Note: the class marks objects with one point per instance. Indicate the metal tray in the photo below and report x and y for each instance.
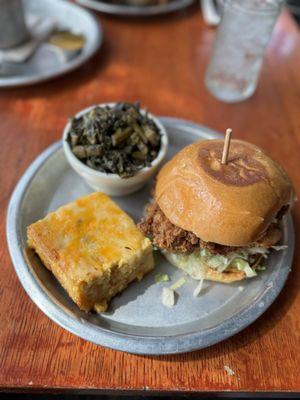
(136, 322)
(131, 10)
(48, 61)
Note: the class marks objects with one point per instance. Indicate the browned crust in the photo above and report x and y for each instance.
(224, 277)
(47, 254)
(217, 210)
(167, 236)
(164, 234)
(50, 258)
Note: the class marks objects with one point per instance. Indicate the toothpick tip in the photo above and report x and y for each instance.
(226, 146)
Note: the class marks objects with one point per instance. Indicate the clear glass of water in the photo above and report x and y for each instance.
(244, 32)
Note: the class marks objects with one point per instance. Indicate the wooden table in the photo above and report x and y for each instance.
(160, 62)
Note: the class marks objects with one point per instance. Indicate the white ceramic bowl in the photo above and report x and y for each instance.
(112, 184)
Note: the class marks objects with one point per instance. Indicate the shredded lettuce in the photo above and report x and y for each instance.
(243, 265)
(278, 248)
(168, 297)
(257, 250)
(181, 281)
(204, 252)
(250, 272)
(218, 262)
(260, 268)
(198, 288)
(239, 264)
(161, 278)
(233, 261)
(193, 264)
(196, 263)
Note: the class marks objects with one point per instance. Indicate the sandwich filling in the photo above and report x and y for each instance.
(193, 254)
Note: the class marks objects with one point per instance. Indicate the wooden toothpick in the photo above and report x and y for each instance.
(226, 146)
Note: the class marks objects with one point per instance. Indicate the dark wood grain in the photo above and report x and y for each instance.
(161, 62)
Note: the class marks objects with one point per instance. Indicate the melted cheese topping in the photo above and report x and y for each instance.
(91, 233)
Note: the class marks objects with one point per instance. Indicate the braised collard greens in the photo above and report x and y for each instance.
(118, 139)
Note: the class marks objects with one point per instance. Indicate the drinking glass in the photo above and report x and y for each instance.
(13, 30)
(244, 32)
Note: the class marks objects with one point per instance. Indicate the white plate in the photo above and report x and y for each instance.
(48, 61)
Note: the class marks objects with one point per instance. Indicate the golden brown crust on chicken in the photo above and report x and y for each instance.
(167, 236)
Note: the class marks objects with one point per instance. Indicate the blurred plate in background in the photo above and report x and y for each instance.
(135, 10)
(49, 61)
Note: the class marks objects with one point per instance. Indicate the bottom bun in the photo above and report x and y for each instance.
(204, 271)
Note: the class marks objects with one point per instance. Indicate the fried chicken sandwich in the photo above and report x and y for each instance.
(218, 221)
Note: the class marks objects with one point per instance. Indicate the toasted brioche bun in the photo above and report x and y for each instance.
(230, 204)
(209, 273)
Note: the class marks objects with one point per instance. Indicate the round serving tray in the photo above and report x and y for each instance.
(131, 10)
(137, 321)
(48, 61)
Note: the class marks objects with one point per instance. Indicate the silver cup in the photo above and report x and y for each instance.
(13, 29)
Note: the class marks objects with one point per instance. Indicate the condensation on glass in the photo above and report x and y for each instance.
(245, 30)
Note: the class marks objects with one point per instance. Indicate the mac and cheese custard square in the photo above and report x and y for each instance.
(93, 248)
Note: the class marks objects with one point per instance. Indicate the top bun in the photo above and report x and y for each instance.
(230, 204)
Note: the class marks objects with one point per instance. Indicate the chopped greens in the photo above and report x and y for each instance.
(115, 139)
